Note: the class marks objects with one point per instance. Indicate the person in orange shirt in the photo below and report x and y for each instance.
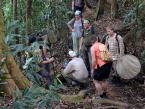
(100, 70)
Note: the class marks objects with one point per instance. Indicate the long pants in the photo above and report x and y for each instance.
(87, 58)
(46, 76)
(76, 44)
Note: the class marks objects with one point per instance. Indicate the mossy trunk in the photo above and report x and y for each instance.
(10, 88)
(16, 74)
(16, 79)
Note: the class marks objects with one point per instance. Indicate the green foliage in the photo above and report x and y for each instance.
(143, 55)
(130, 16)
(38, 97)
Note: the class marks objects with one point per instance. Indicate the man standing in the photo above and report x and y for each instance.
(116, 49)
(76, 70)
(85, 43)
(78, 5)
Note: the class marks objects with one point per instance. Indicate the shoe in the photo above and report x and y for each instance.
(104, 94)
(74, 84)
(98, 97)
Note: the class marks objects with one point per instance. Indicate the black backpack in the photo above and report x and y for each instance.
(81, 4)
(105, 38)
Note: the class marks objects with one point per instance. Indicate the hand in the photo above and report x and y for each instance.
(73, 30)
(50, 59)
(81, 30)
(72, 8)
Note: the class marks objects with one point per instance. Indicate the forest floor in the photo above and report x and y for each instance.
(130, 92)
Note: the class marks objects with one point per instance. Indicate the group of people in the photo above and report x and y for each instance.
(86, 62)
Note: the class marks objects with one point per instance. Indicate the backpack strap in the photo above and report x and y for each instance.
(117, 42)
(106, 40)
(92, 30)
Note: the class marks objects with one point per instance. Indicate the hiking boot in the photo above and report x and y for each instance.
(74, 84)
(104, 94)
(97, 97)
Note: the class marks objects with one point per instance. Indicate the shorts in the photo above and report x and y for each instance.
(102, 72)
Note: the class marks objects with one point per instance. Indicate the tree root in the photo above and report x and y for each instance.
(81, 95)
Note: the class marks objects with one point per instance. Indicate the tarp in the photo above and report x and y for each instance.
(128, 67)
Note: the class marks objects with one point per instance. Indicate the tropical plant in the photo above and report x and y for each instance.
(38, 97)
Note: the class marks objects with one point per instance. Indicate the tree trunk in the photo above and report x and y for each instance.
(114, 8)
(15, 78)
(16, 30)
(11, 87)
(103, 6)
(16, 74)
(28, 17)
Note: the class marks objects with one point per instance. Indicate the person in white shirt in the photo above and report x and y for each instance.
(76, 70)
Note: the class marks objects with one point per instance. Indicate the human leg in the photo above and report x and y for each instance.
(86, 58)
(98, 87)
(75, 45)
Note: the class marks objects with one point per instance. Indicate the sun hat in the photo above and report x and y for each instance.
(72, 53)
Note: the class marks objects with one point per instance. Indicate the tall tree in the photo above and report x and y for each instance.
(16, 80)
(114, 8)
(28, 17)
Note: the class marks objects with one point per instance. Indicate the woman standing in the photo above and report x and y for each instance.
(76, 30)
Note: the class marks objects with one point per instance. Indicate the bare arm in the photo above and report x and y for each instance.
(93, 59)
(48, 60)
(73, 5)
(81, 43)
(69, 24)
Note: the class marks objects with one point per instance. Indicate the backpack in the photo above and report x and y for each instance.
(105, 38)
(80, 3)
(104, 53)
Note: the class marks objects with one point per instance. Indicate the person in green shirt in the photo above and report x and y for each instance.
(85, 43)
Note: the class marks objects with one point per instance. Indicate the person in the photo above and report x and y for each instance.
(76, 70)
(116, 49)
(43, 63)
(76, 30)
(78, 5)
(85, 43)
(100, 69)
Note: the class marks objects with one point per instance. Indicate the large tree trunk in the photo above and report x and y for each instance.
(114, 8)
(28, 17)
(11, 87)
(14, 76)
(103, 6)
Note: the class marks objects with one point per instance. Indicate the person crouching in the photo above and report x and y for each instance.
(76, 71)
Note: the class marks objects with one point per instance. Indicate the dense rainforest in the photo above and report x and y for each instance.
(24, 88)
